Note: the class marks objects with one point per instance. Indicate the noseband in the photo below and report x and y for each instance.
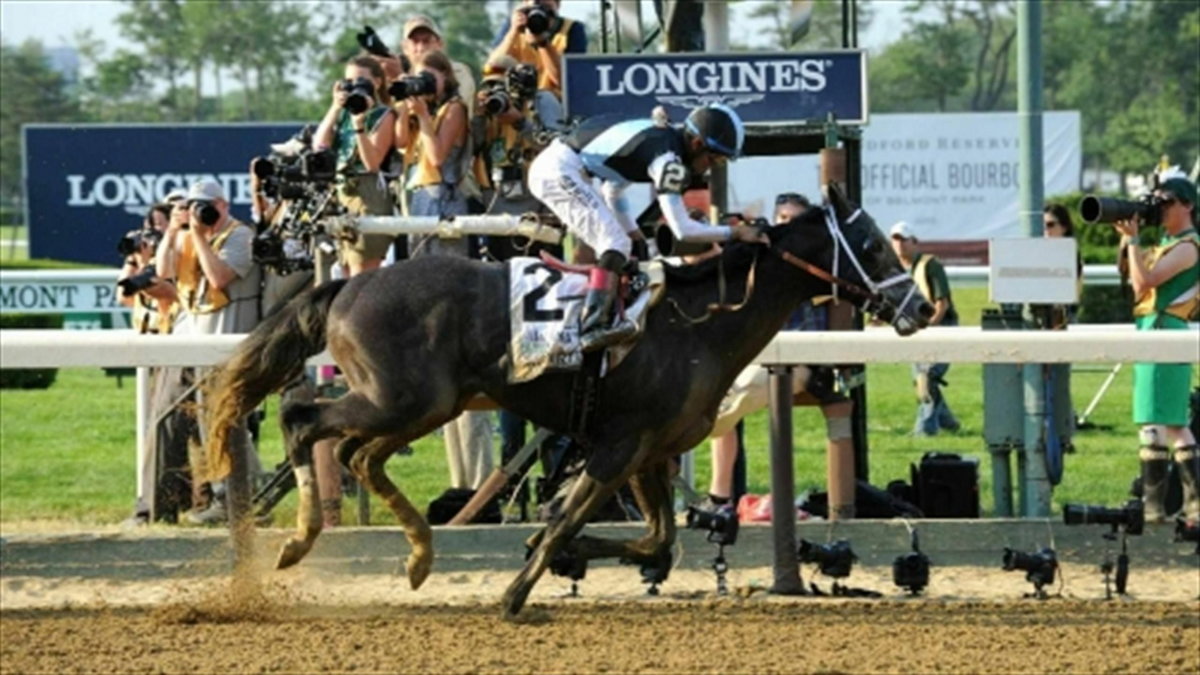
(873, 291)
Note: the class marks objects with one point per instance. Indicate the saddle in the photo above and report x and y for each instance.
(546, 299)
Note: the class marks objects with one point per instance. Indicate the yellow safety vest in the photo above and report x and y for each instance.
(425, 172)
(525, 53)
(920, 276)
(195, 293)
(1186, 303)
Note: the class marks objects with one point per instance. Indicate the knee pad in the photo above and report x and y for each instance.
(1186, 453)
(1148, 437)
(837, 428)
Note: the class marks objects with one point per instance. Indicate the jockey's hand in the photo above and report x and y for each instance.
(750, 235)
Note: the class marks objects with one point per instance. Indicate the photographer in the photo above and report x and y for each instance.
(536, 35)
(421, 36)
(432, 134)
(140, 288)
(359, 127)
(504, 131)
(506, 143)
(933, 412)
(145, 293)
(210, 257)
(1166, 283)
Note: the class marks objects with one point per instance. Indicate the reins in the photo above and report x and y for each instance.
(720, 305)
(870, 293)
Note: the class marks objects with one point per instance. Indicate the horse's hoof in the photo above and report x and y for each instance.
(290, 553)
(418, 568)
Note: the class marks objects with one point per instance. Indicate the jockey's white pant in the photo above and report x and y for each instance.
(557, 178)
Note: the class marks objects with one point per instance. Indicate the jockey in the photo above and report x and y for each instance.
(634, 151)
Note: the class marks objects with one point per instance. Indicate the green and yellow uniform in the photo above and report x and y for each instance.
(1161, 390)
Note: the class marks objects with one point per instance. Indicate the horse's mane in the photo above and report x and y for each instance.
(736, 257)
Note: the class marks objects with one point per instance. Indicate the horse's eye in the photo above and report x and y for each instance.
(871, 246)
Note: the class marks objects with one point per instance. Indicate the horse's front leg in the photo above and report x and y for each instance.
(652, 488)
(368, 466)
(585, 498)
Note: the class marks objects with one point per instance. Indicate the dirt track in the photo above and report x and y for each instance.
(732, 636)
(973, 622)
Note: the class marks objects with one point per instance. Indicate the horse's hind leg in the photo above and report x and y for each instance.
(302, 427)
(367, 466)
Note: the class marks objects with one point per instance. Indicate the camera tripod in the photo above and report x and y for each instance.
(1121, 568)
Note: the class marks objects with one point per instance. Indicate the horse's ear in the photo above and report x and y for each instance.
(836, 197)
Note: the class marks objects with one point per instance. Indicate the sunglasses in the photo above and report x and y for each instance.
(1052, 223)
(791, 198)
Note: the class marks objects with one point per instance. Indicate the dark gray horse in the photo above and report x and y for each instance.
(417, 341)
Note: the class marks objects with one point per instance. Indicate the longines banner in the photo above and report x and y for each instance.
(765, 88)
(952, 176)
(86, 185)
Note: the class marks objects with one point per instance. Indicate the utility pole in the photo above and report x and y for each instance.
(1029, 115)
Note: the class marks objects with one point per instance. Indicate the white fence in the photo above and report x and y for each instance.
(94, 290)
(1079, 344)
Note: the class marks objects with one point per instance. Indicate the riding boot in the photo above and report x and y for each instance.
(1187, 458)
(595, 326)
(1155, 461)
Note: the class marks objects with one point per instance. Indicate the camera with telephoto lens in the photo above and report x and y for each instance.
(205, 212)
(287, 176)
(1040, 567)
(413, 85)
(537, 18)
(495, 98)
(359, 93)
(1109, 209)
(138, 282)
(721, 524)
(133, 240)
(1131, 516)
(834, 560)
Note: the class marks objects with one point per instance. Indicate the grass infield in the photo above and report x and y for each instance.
(67, 453)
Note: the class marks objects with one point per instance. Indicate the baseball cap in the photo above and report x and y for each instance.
(421, 21)
(1182, 188)
(205, 191)
(903, 230)
(498, 65)
(175, 195)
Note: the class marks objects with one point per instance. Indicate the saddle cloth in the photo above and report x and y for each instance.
(545, 305)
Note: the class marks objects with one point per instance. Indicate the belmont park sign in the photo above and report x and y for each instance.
(764, 88)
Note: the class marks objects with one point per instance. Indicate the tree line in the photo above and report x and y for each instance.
(1131, 67)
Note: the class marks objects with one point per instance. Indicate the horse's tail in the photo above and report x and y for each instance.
(272, 355)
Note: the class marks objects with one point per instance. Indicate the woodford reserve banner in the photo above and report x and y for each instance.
(952, 176)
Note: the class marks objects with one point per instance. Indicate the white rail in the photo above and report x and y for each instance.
(1096, 344)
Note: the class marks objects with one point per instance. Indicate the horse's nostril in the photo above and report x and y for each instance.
(925, 310)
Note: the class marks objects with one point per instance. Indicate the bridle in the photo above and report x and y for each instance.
(873, 293)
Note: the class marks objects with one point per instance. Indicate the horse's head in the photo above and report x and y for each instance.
(841, 244)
